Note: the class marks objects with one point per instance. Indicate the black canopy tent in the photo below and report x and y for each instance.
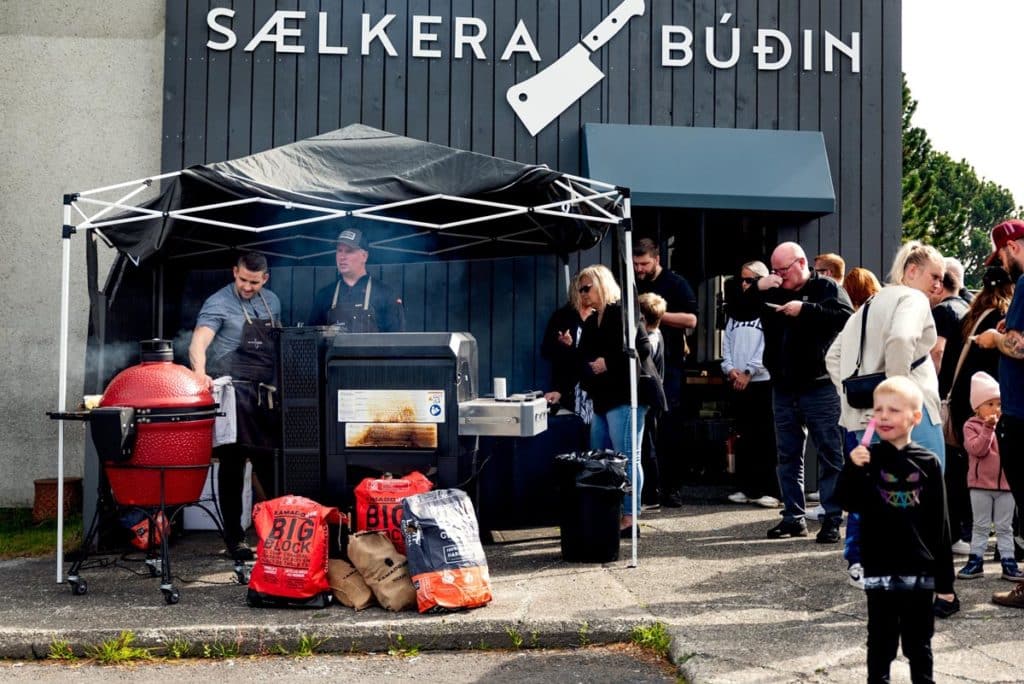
(415, 200)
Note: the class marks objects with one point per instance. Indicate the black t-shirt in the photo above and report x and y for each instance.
(949, 316)
(679, 298)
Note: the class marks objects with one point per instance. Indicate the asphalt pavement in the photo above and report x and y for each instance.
(739, 607)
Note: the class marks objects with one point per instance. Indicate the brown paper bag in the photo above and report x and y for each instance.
(385, 570)
(348, 585)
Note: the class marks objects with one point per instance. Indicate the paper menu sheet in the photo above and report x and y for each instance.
(391, 406)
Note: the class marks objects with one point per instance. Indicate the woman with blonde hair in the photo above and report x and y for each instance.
(605, 375)
(899, 333)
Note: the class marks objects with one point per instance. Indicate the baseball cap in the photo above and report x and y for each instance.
(1002, 234)
(353, 237)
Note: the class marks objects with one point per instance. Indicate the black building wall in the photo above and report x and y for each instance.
(226, 104)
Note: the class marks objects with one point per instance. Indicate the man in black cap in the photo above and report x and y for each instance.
(356, 302)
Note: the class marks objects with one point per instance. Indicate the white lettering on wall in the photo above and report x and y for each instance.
(230, 38)
(462, 38)
(322, 47)
(852, 51)
(773, 48)
(420, 37)
(378, 32)
(521, 41)
(763, 50)
(277, 32)
(669, 46)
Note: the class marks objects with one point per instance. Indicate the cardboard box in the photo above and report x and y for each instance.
(195, 518)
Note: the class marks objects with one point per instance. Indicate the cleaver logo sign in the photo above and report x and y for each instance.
(539, 100)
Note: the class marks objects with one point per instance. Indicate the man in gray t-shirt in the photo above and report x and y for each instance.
(223, 344)
(218, 329)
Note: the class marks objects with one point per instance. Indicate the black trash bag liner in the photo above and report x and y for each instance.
(598, 469)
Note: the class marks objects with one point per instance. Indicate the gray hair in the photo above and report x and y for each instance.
(757, 267)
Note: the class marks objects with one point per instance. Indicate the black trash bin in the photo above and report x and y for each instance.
(592, 485)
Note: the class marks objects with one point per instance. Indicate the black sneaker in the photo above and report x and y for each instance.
(828, 534)
(944, 609)
(240, 551)
(788, 528)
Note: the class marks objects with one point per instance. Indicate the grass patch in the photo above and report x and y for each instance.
(61, 650)
(400, 649)
(654, 638)
(178, 648)
(515, 637)
(222, 650)
(20, 537)
(308, 644)
(118, 650)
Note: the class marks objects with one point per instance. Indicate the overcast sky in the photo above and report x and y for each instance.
(964, 62)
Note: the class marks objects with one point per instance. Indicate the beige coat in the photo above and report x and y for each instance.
(900, 331)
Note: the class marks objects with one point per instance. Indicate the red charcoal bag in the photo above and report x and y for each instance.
(291, 556)
(379, 504)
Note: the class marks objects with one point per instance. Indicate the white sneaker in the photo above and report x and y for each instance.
(767, 501)
(817, 513)
(738, 497)
(855, 576)
(961, 548)
(813, 497)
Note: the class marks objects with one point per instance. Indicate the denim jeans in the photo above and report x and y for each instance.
(612, 430)
(813, 411)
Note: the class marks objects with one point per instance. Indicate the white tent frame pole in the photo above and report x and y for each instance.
(96, 191)
(631, 345)
(62, 387)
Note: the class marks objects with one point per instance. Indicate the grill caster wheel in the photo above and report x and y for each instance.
(79, 587)
(241, 573)
(171, 596)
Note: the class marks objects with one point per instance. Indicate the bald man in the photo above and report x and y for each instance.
(801, 313)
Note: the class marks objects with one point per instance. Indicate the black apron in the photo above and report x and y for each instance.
(252, 367)
(353, 318)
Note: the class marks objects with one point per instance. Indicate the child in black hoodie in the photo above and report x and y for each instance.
(898, 489)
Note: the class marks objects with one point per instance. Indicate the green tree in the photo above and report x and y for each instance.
(945, 203)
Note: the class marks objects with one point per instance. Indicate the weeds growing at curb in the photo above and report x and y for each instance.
(61, 650)
(654, 638)
(399, 648)
(515, 637)
(222, 649)
(118, 650)
(308, 644)
(584, 633)
(177, 649)
(534, 639)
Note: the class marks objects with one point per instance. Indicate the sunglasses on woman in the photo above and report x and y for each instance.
(584, 289)
(749, 281)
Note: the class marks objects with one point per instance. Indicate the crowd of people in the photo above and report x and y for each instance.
(912, 393)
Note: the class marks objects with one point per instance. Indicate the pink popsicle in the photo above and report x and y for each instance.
(869, 432)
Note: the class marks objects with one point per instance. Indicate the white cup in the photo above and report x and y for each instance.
(500, 391)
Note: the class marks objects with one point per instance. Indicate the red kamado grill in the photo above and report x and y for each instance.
(155, 424)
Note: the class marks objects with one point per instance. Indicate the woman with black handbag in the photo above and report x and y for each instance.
(893, 334)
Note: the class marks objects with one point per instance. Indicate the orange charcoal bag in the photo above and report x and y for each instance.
(446, 559)
(291, 554)
(379, 504)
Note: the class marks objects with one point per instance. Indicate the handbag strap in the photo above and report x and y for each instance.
(965, 349)
(863, 332)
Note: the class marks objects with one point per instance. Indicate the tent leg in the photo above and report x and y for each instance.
(65, 292)
(627, 228)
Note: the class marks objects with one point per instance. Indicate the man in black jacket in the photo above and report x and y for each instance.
(801, 313)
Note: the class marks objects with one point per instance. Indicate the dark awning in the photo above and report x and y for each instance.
(713, 168)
